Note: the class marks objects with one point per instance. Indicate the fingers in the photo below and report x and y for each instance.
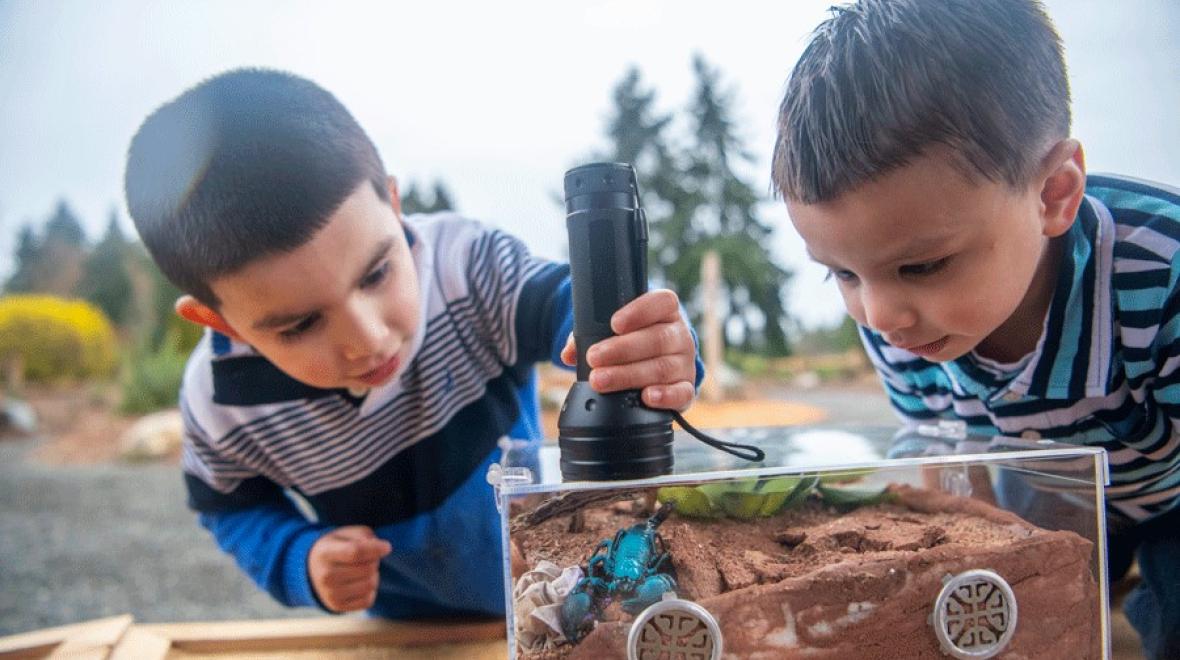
(344, 568)
(657, 306)
(356, 595)
(660, 370)
(678, 396)
(569, 353)
(349, 546)
(652, 351)
(671, 338)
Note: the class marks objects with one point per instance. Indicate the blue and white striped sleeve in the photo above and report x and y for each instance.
(523, 302)
(251, 519)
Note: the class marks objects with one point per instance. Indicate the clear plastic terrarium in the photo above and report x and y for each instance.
(842, 543)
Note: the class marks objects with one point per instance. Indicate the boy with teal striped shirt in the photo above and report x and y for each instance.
(925, 158)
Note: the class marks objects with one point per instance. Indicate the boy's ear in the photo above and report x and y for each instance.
(1063, 186)
(395, 199)
(191, 309)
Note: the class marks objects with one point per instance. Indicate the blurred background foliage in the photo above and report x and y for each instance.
(50, 338)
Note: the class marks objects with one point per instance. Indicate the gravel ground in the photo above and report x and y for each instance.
(79, 542)
(82, 542)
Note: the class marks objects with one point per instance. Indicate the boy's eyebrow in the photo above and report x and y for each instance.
(814, 258)
(919, 246)
(280, 319)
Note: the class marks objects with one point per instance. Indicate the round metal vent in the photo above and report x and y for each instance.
(674, 628)
(974, 615)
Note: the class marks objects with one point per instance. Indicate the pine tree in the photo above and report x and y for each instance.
(51, 263)
(28, 248)
(753, 280)
(696, 201)
(638, 135)
(105, 278)
(414, 200)
(442, 197)
(63, 227)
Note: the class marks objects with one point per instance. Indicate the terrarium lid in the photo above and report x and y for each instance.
(817, 448)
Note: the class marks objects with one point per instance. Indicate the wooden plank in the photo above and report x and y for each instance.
(470, 651)
(75, 638)
(92, 653)
(319, 632)
(140, 644)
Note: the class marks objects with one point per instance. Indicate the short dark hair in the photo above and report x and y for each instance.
(249, 163)
(884, 80)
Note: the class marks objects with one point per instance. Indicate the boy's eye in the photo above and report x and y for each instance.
(841, 275)
(926, 268)
(376, 277)
(301, 327)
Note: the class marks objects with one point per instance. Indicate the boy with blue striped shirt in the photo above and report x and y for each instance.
(361, 366)
(925, 158)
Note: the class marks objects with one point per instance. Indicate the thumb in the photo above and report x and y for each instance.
(354, 532)
(569, 354)
(364, 535)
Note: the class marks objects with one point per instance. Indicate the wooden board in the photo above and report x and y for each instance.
(117, 638)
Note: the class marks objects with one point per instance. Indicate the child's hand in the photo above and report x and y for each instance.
(342, 566)
(653, 352)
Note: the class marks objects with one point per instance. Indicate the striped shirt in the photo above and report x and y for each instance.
(409, 458)
(1106, 371)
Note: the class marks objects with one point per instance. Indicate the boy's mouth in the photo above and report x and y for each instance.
(929, 349)
(380, 374)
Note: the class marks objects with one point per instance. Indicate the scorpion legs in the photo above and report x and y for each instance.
(648, 592)
(583, 606)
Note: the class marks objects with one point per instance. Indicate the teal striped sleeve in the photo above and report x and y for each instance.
(1166, 349)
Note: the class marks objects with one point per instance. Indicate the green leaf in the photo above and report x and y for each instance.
(763, 497)
(847, 499)
(688, 501)
(847, 477)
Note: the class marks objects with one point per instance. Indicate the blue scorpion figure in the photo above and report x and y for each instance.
(634, 567)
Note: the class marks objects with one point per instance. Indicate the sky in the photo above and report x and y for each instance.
(496, 99)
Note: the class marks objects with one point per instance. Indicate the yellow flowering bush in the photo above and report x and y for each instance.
(56, 338)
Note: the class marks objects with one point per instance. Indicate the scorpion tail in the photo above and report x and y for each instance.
(660, 515)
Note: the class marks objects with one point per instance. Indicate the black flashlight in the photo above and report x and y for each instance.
(612, 436)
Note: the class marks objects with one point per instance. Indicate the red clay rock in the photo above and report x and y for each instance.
(812, 583)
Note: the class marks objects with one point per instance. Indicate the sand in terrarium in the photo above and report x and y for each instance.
(819, 578)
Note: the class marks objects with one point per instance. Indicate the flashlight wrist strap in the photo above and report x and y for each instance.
(747, 452)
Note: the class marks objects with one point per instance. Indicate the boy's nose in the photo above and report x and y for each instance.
(367, 335)
(885, 311)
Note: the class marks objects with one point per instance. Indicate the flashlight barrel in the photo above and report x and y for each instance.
(608, 249)
(607, 436)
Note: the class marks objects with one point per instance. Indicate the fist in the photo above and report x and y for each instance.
(652, 351)
(342, 566)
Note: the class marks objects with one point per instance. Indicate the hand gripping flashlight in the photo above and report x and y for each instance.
(610, 436)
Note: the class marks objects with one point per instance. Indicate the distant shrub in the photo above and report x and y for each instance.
(153, 378)
(56, 338)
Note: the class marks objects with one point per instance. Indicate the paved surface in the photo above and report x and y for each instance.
(79, 543)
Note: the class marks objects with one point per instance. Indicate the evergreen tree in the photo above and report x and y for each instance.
(638, 135)
(105, 278)
(442, 197)
(415, 201)
(696, 202)
(728, 220)
(53, 262)
(63, 227)
(28, 248)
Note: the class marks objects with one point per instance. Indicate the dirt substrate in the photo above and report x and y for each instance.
(814, 583)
